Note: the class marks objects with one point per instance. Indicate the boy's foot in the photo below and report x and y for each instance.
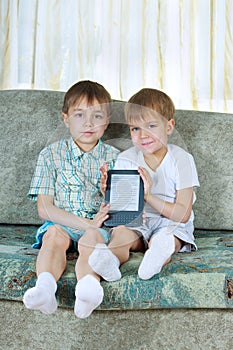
(42, 296)
(162, 247)
(105, 263)
(89, 295)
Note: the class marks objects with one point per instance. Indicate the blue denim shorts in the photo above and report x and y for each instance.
(74, 234)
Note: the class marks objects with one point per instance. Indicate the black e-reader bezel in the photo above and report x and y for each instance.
(135, 217)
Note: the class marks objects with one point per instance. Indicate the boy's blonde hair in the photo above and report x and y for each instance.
(89, 89)
(149, 99)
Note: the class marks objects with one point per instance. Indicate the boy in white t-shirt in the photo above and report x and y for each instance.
(169, 175)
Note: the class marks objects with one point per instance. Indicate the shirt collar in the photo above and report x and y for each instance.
(78, 153)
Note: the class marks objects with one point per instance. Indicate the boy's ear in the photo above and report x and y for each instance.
(170, 126)
(66, 119)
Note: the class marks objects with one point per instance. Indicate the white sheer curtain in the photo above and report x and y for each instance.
(184, 47)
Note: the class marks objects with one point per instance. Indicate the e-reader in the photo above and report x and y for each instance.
(125, 193)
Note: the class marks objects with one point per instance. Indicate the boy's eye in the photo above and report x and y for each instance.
(78, 115)
(98, 116)
(134, 129)
(151, 126)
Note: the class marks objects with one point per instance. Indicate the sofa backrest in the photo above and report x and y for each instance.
(30, 119)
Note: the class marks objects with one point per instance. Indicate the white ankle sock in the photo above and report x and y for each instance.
(105, 263)
(89, 295)
(42, 296)
(162, 247)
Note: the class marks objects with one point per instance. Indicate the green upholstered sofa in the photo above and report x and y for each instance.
(197, 284)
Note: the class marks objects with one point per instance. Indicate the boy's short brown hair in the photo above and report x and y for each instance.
(89, 89)
(151, 99)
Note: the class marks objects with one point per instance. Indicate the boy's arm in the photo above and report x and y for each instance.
(179, 211)
(48, 211)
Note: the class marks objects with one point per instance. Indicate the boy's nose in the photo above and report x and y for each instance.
(144, 133)
(88, 120)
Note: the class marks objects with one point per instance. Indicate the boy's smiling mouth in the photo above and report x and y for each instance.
(147, 143)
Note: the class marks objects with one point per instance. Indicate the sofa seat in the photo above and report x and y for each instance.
(200, 279)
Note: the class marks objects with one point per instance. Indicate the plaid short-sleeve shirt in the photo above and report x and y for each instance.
(72, 176)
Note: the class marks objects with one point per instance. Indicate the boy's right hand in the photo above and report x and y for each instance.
(104, 177)
(102, 215)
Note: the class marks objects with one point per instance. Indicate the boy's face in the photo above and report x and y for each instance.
(86, 122)
(149, 134)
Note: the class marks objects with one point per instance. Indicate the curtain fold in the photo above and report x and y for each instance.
(184, 47)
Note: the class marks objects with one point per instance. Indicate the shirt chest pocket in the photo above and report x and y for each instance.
(78, 192)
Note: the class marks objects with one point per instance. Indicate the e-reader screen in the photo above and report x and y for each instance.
(125, 193)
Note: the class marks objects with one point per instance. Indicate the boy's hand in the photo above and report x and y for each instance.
(104, 177)
(102, 215)
(147, 180)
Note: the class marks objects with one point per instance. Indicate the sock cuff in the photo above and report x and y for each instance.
(48, 279)
(101, 246)
(104, 246)
(89, 280)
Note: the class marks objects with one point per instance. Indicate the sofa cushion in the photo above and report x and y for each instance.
(201, 279)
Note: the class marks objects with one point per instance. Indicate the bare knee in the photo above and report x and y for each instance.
(121, 236)
(56, 238)
(89, 240)
(121, 233)
(124, 240)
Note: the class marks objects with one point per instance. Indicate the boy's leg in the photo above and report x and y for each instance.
(89, 293)
(161, 248)
(51, 262)
(106, 260)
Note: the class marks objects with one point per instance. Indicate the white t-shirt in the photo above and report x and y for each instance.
(177, 171)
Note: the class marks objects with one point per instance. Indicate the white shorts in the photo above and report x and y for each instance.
(154, 225)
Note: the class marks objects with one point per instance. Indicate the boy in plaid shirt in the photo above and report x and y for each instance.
(66, 185)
